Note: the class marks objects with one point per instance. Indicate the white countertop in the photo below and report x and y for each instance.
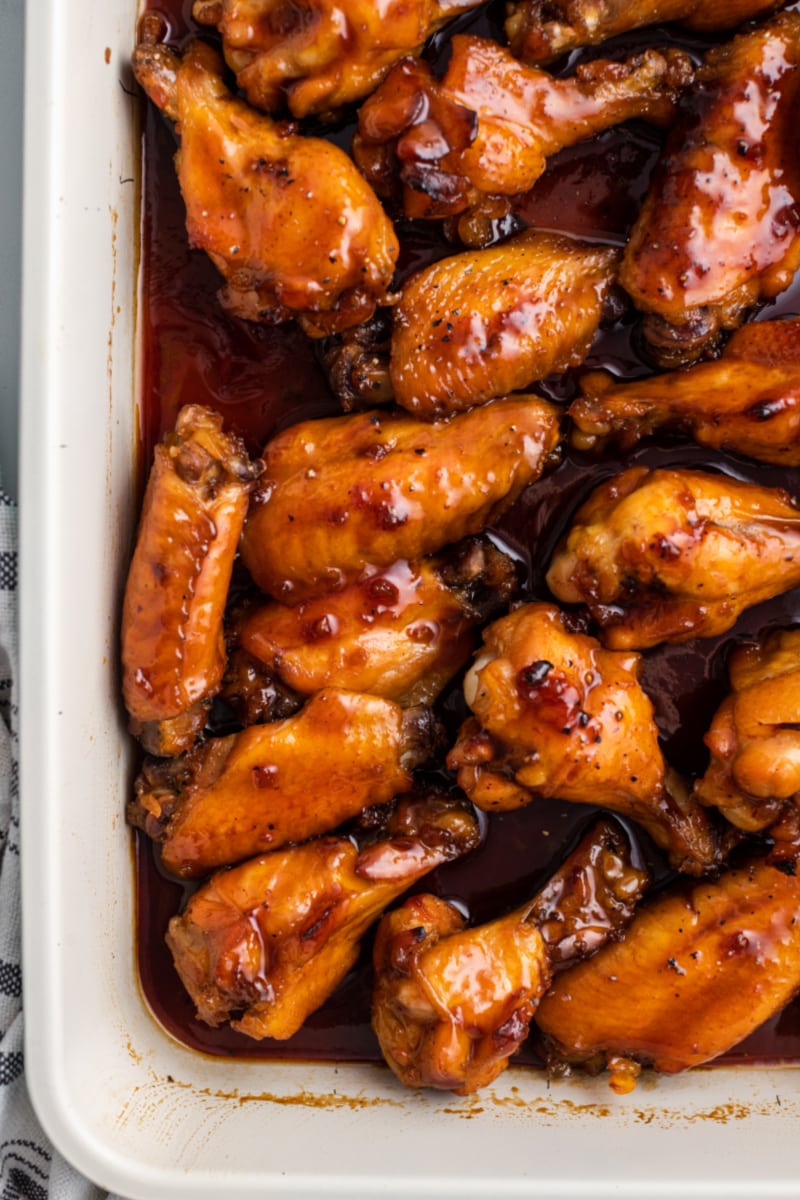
(11, 81)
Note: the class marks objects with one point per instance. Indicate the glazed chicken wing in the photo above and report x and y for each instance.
(288, 220)
(253, 791)
(487, 322)
(719, 228)
(316, 55)
(348, 493)
(754, 739)
(697, 970)
(748, 400)
(173, 651)
(452, 1004)
(540, 30)
(262, 945)
(402, 633)
(670, 555)
(487, 129)
(557, 715)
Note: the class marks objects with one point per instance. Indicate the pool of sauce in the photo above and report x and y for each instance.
(263, 379)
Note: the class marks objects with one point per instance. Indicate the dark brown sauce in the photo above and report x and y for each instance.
(263, 379)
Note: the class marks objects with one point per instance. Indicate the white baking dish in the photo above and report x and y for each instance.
(130, 1107)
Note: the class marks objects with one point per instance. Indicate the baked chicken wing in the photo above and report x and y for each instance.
(173, 650)
(262, 945)
(237, 796)
(540, 30)
(696, 971)
(484, 323)
(317, 55)
(488, 127)
(288, 221)
(366, 490)
(402, 633)
(670, 555)
(452, 1004)
(557, 715)
(718, 230)
(748, 400)
(754, 739)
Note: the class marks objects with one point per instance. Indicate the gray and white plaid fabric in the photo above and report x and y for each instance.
(30, 1169)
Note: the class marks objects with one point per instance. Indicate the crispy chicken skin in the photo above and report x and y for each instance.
(367, 490)
(402, 633)
(696, 971)
(452, 1004)
(670, 555)
(288, 220)
(748, 400)
(317, 55)
(541, 30)
(718, 230)
(557, 715)
(754, 739)
(173, 650)
(484, 323)
(488, 127)
(253, 791)
(272, 938)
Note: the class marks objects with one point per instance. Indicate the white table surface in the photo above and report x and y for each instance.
(11, 78)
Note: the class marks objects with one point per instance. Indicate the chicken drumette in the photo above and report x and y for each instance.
(346, 494)
(540, 30)
(316, 55)
(487, 322)
(719, 228)
(253, 791)
(754, 774)
(289, 222)
(670, 555)
(452, 1004)
(557, 715)
(402, 633)
(262, 945)
(173, 651)
(748, 400)
(486, 130)
(697, 970)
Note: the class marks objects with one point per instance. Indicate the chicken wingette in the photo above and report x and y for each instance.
(236, 796)
(347, 494)
(262, 945)
(173, 649)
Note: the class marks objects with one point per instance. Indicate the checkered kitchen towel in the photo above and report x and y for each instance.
(30, 1169)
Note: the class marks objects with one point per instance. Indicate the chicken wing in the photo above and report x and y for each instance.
(253, 791)
(557, 715)
(748, 400)
(754, 739)
(287, 220)
(317, 55)
(488, 128)
(541, 30)
(452, 1004)
(487, 322)
(718, 230)
(695, 972)
(173, 651)
(271, 939)
(348, 493)
(670, 555)
(402, 633)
